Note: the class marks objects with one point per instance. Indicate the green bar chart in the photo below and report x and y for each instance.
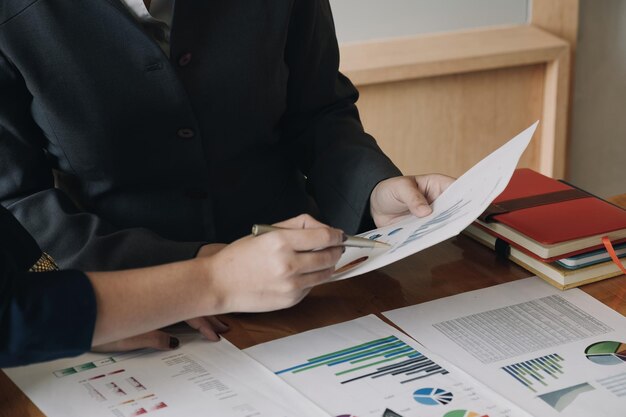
(388, 356)
(538, 371)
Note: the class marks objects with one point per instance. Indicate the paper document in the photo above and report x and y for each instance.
(198, 379)
(453, 211)
(365, 368)
(554, 353)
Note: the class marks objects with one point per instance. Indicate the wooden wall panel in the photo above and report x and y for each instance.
(439, 103)
(559, 17)
(447, 124)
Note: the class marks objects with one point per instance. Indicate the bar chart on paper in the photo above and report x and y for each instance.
(384, 357)
(552, 353)
(534, 372)
(111, 360)
(366, 368)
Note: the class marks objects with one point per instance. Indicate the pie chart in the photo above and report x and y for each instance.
(432, 396)
(607, 353)
(464, 413)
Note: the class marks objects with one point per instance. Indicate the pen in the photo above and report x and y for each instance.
(352, 241)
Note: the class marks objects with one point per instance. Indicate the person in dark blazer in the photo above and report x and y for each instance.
(47, 314)
(134, 133)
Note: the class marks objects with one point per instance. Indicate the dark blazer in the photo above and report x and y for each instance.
(248, 122)
(43, 315)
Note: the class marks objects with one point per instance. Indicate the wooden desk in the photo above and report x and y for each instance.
(452, 267)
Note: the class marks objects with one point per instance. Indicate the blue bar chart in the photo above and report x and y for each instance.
(536, 371)
(378, 358)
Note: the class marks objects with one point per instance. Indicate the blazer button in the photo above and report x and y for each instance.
(186, 133)
(185, 59)
(196, 193)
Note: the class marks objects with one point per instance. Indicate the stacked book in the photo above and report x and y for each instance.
(554, 230)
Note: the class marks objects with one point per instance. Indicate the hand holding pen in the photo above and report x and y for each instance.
(277, 269)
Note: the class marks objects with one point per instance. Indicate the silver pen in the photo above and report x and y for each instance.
(352, 241)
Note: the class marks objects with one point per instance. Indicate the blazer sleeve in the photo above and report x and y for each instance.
(75, 238)
(43, 316)
(323, 131)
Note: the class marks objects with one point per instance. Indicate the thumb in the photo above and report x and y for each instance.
(155, 339)
(409, 194)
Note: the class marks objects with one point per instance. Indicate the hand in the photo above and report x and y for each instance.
(156, 339)
(275, 270)
(209, 326)
(396, 197)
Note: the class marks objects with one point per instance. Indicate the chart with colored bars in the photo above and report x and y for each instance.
(607, 353)
(117, 358)
(387, 356)
(463, 413)
(536, 371)
(615, 383)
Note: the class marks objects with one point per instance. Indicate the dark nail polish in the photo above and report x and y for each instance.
(174, 342)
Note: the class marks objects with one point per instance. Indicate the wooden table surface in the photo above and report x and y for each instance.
(454, 266)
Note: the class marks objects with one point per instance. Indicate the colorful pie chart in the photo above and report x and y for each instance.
(607, 353)
(432, 396)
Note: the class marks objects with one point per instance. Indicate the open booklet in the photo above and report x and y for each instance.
(453, 211)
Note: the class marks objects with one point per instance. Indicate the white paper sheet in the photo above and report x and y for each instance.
(554, 353)
(453, 211)
(198, 379)
(365, 368)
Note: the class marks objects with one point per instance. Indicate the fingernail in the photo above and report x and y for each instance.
(424, 209)
(174, 342)
(344, 237)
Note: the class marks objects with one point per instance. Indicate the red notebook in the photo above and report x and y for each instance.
(555, 230)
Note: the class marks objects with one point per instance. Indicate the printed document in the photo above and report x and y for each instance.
(553, 353)
(367, 368)
(456, 208)
(198, 379)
